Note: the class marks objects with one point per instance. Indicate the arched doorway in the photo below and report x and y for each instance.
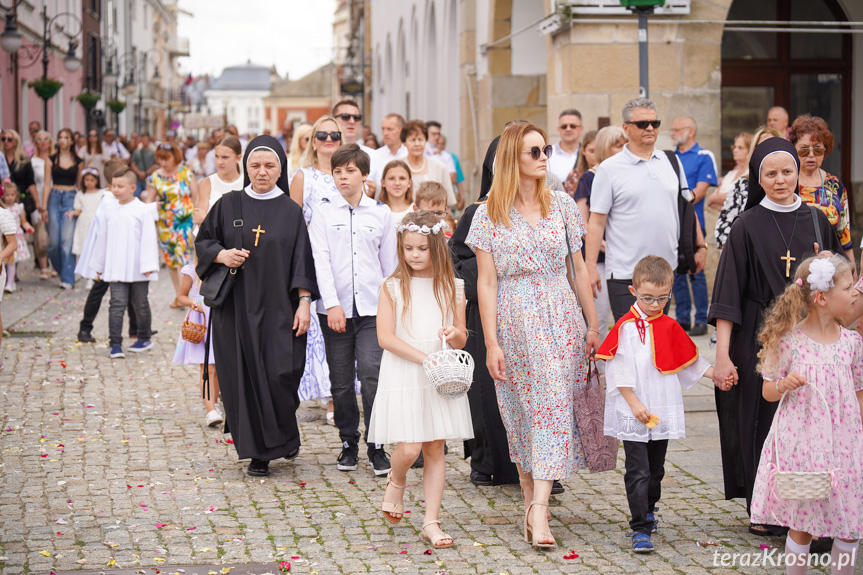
(803, 72)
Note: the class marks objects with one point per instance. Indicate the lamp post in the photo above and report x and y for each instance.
(11, 42)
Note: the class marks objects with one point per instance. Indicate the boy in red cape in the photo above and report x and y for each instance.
(649, 358)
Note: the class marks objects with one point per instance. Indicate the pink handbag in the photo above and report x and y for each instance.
(589, 406)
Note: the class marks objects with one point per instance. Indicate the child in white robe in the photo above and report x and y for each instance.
(125, 254)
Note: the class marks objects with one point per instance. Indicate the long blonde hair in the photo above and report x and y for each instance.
(791, 307)
(504, 186)
(444, 276)
(301, 132)
(19, 155)
(309, 159)
(51, 148)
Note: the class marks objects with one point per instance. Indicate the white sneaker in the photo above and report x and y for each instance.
(65, 286)
(10, 288)
(89, 285)
(214, 418)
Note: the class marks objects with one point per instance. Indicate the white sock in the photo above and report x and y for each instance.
(843, 557)
(801, 564)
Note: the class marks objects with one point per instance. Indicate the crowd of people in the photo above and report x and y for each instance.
(345, 268)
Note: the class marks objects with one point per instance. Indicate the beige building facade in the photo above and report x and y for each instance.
(703, 63)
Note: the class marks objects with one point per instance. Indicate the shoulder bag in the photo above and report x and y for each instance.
(217, 286)
(686, 247)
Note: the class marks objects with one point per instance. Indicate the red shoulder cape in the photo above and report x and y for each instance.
(675, 352)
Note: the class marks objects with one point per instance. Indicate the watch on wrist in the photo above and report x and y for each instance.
(306, 298)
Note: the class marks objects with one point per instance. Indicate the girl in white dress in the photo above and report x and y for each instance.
(87, 201)
(397, 190)
(407, 409)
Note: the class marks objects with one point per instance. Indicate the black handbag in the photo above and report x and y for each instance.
(217, 286)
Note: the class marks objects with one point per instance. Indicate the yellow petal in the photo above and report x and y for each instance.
(45, 553)
(159, 559)
(111, 562)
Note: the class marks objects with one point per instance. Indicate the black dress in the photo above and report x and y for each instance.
(750, 276)
(259, 359)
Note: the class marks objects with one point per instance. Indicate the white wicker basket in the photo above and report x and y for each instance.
(802, 485)
(450, 371)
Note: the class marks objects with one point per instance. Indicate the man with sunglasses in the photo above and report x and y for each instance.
(700, 167)
(347, 114)
(562, 160)
(634, 204)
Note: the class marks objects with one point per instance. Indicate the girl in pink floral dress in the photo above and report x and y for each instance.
(815, 367)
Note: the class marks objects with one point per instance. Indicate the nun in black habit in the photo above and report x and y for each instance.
(488, 451)
(259, 335)
(775, 231)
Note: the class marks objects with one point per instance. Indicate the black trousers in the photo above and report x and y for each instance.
(350, 355)
(620, 298)
(124, 294)
(645, 468)
(94, 302)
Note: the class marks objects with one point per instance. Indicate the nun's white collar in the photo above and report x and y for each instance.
(274, 193)
(774, 207)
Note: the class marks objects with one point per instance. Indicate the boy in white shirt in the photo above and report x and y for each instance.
(126, 255)
(354, 246)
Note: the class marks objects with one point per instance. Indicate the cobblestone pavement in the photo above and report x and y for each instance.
(106, 465)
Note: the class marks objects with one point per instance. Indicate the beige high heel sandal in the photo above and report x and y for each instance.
(435, 542)
(389, 508)
(522, 483)
(528, 531)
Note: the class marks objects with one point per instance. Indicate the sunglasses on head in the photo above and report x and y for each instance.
(536, 151)
(642, 124)
(334, 136)
(817, 150)
(166, 147)
(347, 117)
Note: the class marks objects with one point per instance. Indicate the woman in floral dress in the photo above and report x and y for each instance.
(535, 335)
(175, 190)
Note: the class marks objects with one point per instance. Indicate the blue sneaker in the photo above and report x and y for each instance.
(650, 517)
(641, 543)
(117, 352)
(140, 346)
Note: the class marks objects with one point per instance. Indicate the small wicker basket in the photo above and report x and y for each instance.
(801, 485)
(450, 371)
(191, 331)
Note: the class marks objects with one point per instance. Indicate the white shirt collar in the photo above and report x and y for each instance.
(274, 193)
(340, 201)
(774, 207)
(635, 159)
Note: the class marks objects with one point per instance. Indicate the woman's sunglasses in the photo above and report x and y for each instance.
(817, 150)
(642, 124)
(7, 139)
(536, 151)
(334, 136)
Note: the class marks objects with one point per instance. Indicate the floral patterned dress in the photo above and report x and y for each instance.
(174, 199)
(832, 199)
(541, 333)
(808, 435)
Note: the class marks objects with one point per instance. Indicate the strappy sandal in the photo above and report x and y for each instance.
(436, 541)
(293, 454)
(258, 468)
(537, 541)
(388, 507)
(522, 483)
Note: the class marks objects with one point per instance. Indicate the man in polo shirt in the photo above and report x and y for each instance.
(562, 160)
(634, 203)
(700, 167)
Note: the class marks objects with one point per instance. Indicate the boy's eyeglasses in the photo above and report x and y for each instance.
(536, 151)
(348, 117)
(642, 124)
(649, 300)
(334, 136)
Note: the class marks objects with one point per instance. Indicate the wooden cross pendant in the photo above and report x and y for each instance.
(258, 231)
(786, 258)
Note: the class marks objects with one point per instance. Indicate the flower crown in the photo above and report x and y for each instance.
(423, 230)
(820, 278)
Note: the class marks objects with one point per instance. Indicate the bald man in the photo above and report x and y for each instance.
(699, 166)
(777, 117)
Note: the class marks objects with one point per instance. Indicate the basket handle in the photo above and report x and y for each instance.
(443, 342)
(776, 418)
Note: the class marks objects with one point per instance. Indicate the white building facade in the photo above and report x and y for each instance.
(238, 95)
(415, 68)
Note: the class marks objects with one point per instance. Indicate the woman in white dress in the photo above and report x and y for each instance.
(312, 184)
(41, 161)
(228, 176)
(424, 169)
